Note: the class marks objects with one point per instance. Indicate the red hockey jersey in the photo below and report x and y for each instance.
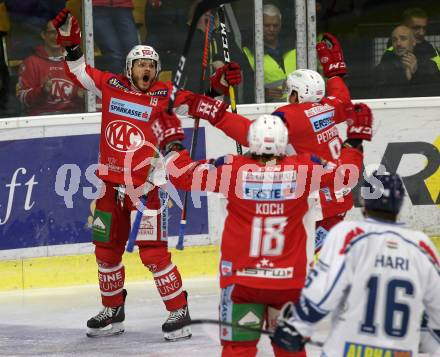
(312, 129)
(34, 72)
(268, 237)
(127, 141)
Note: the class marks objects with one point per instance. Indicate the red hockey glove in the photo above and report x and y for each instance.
(167, 130)
(225, 76)
(360, 127)
(68, 30)
(330, 56)
(201, 106)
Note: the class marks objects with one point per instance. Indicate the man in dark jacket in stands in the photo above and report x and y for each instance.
(417, 20)
(401, 73)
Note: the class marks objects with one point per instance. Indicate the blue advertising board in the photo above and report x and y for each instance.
(34, 214)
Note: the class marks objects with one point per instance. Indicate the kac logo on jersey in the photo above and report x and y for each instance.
(124, 136)
(61, 90)
(322, 121)
(130, 110)
(359, 350)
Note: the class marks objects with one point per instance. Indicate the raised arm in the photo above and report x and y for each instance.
(331, 57)
(213, 110)
(69, 36)
(183, 172)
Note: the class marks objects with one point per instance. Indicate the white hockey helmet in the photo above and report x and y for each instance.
(268, 135)
(309, 85)
(141, 52)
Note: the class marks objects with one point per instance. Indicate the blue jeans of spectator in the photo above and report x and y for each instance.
(115, 34)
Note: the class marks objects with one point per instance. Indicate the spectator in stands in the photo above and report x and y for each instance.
(27, 18)
(4, 72)
(114, 31)
(401, 73)
(43, 85)
(279, 59)
(417, 20)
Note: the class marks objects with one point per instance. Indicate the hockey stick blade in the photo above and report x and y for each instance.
(247, 328)
(202, 7)
(227, 58)
(135, 229)
(179, 245)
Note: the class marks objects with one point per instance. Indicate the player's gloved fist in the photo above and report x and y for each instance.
(331, 56)
(360, 126)
(285, 335)
(225, 76)
(168, 130)
(201, 106)
(68, 30)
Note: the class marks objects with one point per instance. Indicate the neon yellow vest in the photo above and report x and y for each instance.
(274, 76)
(435, 59)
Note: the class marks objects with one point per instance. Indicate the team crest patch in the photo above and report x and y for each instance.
(101, 224)
(359, 350)
(226, 268)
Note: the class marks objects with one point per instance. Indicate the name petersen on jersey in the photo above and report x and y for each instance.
(269, 185)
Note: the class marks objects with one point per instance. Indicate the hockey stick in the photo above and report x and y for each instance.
(143, 205)
(201, 8)
(247, 328)
(225, 43)
(208, 32)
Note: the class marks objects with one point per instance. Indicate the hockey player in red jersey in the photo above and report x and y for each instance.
(311, 119)
(266, 244)
(131, 104)
(43, 86)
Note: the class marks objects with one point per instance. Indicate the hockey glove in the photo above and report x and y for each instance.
(68, 30)
(285, 335)
(167, 130)
(360, 126)
(225, 76)
(201, 106)
(330, 56)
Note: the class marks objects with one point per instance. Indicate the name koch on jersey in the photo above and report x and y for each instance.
(130, 109)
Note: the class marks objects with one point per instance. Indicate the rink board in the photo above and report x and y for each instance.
(39, 239)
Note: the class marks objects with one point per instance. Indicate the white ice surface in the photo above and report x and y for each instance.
(52, 322)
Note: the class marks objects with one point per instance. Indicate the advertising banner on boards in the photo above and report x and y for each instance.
(47, 186)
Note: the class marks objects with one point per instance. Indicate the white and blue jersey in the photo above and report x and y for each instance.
(376, 279)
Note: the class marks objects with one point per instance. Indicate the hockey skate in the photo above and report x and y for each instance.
(177, 326)
(109, 322)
